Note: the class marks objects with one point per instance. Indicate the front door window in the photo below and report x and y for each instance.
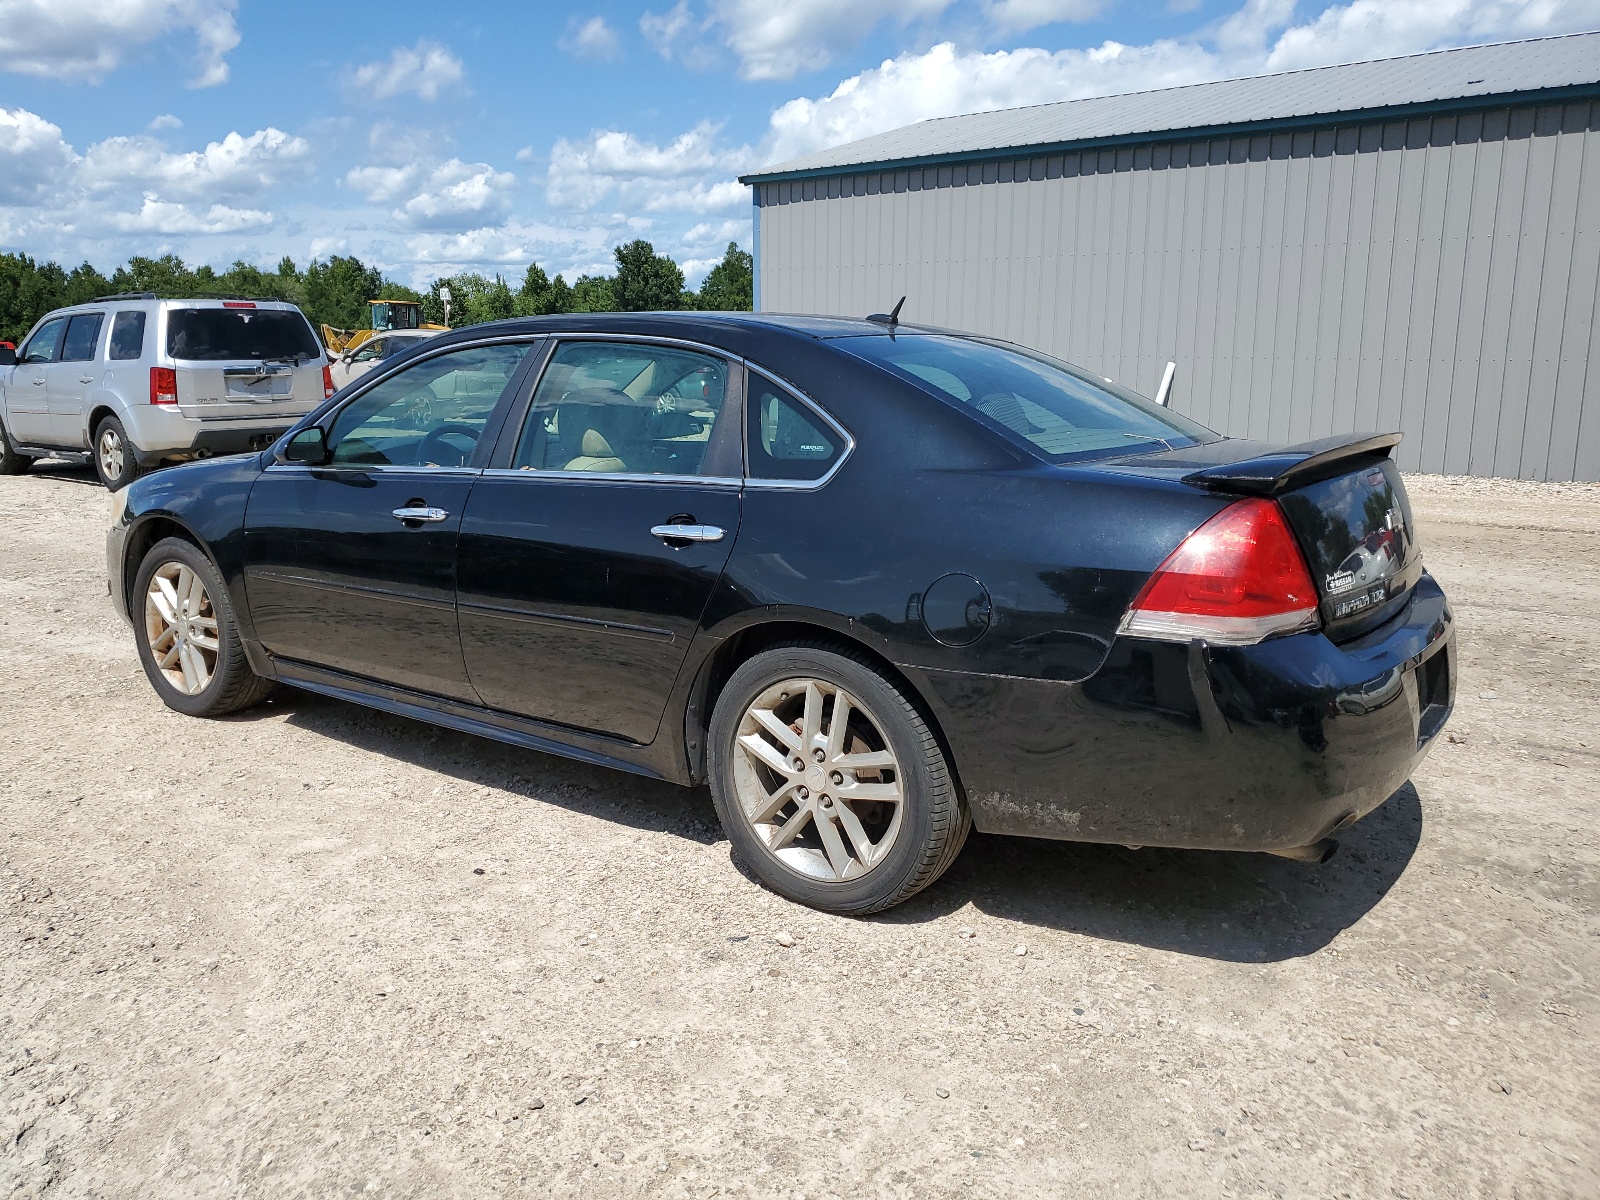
(429, 415)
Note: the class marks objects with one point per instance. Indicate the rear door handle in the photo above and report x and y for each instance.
(37, 381)
(689, 533)
(420, 513)
(85, 378)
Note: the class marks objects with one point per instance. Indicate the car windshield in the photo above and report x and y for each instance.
(1064, 413)
(226, 334)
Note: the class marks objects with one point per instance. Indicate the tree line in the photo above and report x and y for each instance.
(336, 292)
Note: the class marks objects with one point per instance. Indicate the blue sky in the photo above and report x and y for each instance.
(437, 137)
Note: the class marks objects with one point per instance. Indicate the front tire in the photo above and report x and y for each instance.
(188, 636)
(115, 459)
(848, 815)
(11, 463)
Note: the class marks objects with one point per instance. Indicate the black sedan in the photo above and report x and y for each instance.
(874, 584)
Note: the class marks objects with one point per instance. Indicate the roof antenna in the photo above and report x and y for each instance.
(891, 318)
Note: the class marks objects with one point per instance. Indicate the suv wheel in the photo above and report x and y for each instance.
(114, 457)
(829, 783)
(187, 636)
(11, 463)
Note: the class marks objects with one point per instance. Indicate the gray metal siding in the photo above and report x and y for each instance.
(1440, 275)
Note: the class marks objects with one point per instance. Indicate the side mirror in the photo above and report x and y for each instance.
(309, 446)
(8, 357)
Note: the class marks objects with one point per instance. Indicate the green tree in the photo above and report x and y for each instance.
(28, 290)
(474, 299)
(337, 292)
(593, 293)
(730, 286)
(645, 281)
(83, 285)
(165, 276)
(540, 295)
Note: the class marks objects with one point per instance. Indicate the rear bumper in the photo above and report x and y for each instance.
(160, 432)
(1264, 747)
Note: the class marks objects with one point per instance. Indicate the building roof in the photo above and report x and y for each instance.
(1472, 75)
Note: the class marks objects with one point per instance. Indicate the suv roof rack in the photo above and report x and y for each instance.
(191, 296)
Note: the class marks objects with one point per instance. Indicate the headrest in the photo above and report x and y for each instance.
(594, 445)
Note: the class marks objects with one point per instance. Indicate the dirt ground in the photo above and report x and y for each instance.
(315, 950)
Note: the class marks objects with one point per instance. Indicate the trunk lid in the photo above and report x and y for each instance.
(242, 360)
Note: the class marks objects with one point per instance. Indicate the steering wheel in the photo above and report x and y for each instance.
(433, 446)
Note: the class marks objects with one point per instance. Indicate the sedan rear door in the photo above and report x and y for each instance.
(591, 546)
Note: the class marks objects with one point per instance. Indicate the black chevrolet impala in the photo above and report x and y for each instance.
(874, 584)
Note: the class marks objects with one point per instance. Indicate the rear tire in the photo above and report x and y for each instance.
(188, 636)
(11, 463)
(115, 458)
(851, 819)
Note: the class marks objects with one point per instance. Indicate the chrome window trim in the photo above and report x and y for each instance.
(369, 469)
(805, 401)
(609, 477)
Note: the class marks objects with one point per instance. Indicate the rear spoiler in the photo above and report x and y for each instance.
(1269, 474)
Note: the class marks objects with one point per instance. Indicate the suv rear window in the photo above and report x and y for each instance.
(223, 334)
(1065, 414)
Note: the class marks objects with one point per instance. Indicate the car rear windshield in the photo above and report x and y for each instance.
(225, 334)
(1065, 413)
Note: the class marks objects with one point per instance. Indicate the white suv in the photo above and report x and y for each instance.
(133, 381)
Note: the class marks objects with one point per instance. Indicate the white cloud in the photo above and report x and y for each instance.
(701, 197)
(1370, 29)
(83, 41)
(33, 157)
(592, 39)
(774, 40)
(164, 217)
(1019, 16)
(425, 70)
(584, 173)
(669, 32)
(165, 121)
(238, 166)
(442, 195)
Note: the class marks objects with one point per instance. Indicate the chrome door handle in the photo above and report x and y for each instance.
(37, 381)
(420, 513)
(689, 533)
(85, 378)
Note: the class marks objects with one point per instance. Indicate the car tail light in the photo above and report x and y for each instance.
(327, 382)
(237, 304)
(163, 385)
(1237, 579)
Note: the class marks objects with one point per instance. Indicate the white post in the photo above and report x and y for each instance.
(444, 294)
(1166, 384)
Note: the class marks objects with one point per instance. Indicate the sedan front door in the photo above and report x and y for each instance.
(351, 565)
(591, 547)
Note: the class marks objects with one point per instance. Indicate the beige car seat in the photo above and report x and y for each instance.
(608, 436)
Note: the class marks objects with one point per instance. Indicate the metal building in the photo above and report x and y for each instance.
(1407, 244)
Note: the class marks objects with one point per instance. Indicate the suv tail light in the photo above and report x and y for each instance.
(163, 385)
(327, 382)
(1237, 579)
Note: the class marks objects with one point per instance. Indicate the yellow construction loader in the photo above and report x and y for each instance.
(386, 315)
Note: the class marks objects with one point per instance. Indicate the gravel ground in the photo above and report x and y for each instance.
(314, 950)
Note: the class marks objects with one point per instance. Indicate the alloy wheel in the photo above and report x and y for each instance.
(110, 453)
(181, 625)
(817, 780)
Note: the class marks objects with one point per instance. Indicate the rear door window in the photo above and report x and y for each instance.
(785, 439)
(42, 346)
(1062, 412)
(127, 336)
(83, 335)
(232, 334)
(631, 408)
